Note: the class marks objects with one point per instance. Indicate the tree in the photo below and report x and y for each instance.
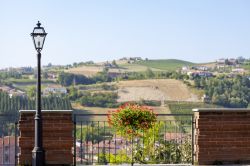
(114, 63)
(149, 73)
(197, 82)
(45, 75)
(73, 93)
(31, 92)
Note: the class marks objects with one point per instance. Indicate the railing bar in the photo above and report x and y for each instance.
(109, 143)
(176, 139)
(87, 141)
(154, 138)
(81, 143)
(115, 146)
(126, 148)
(158, 135)
(143, 139)
(109, 150)
(192, 125)
(98, 140)
(165, 137)
(74, 140)
(9, 146)
(2, 142)
(15, 134)
(122, 146)
(92, 125)
(104, 142)
(157, 114)
(132, 150)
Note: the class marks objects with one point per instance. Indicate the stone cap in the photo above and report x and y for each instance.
(221, 110)
(46, 111)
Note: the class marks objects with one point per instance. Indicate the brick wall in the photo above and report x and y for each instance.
(222, 136)
(57, 137)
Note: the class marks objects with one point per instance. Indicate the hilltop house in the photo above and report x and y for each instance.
(232, 61)
(131, 59)
(221, 61)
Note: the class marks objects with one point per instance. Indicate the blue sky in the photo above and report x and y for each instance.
(100, 30)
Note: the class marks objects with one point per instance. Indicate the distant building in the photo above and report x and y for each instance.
(25, 70)
(131, 59)
(184, 69)
(200, 73)
(7, 150)
(88, 150)
(12, 91)
(178, 137)
(54, 90)
(52, 76)
(238, 70)
(21, 70)
(221, 61)
(203, 68)
(232, 61)
(135, 58)
(109, 65)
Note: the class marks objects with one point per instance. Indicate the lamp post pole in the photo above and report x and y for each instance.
(38, 157)
(38, 152)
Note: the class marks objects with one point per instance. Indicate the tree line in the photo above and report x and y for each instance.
(68, 79)
(227, 92)
(11, 105)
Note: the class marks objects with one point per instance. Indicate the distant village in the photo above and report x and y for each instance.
(231, 67)
(30, 73)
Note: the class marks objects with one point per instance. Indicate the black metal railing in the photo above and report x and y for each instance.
(8, 139)
(169, 141)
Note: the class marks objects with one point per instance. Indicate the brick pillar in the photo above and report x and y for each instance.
(57, 136)
(222, 136)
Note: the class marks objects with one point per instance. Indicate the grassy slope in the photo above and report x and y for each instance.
(167, 64)
(135, 67)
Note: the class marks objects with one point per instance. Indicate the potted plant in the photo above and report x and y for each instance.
(132, 119)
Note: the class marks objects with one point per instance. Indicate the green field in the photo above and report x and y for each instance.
(167, 64)
(187, 107)
(135, 67)
(27, 81)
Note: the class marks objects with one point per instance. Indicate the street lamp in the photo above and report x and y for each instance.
(38, 156)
